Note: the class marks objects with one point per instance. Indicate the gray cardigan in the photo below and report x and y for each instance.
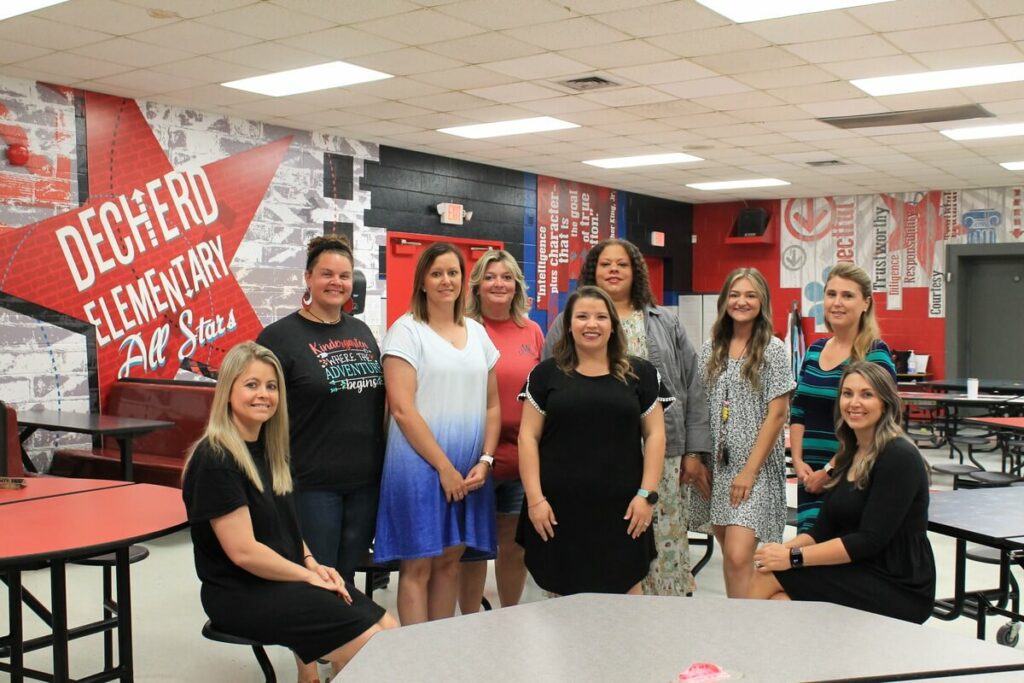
(687, 427)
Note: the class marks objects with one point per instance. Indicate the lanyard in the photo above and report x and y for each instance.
(723, 449)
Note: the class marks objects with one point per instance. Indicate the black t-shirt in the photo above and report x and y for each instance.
(335, 387)
(214, 486)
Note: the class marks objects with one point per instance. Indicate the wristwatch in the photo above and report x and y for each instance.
(650, 496)
(829, 469)
(796, 557)
(487, 458)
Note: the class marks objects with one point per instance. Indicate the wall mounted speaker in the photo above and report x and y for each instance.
(751, 223)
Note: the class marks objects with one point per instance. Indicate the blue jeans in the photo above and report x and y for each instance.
(338, 527)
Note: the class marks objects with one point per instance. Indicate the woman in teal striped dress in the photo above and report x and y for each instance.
(850, 317)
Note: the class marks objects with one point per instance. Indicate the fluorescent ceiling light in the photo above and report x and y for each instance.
(1013, 165)
(537, 124)
(308, 79)
(644, 160)
(941, 80)
(738, 184)
(1007, 130)
(742, 11)
(12, 9)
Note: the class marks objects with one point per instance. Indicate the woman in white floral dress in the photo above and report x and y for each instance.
(748, 378)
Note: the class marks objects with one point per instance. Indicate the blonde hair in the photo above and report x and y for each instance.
(564, 351)
(418, 303)
(722, 330)
(519, 308)
(223, 436)
(887, 428)
(868, 331)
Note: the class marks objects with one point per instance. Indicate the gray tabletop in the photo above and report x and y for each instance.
(633, 639)
(978, 515)
(89, 423)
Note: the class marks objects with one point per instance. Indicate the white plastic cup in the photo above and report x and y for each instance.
(972, 387)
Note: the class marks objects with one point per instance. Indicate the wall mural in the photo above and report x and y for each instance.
(900, 239)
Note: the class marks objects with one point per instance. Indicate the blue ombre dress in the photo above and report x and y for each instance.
(414, 520)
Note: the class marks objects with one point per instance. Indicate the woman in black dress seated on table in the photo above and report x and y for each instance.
(591, 450)
(259, 579)
(869, 548)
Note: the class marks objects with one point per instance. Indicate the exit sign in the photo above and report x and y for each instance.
(452, 213)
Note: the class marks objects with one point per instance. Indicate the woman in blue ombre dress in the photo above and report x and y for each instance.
(436, 498)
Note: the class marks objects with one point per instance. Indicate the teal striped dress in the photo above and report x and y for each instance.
(813, 407)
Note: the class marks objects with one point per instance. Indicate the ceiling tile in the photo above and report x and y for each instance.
(267, 21)
(207, 69)
(839, 49)
(419, 27)
(398, 88)
(211, 95)
(448, 101)
(270, 57)
(131, 53)
(546, 65)
(105, 16)
(514, 92)
(983, 55)
(704, 87)
(661, 110)
(702, 120)
(555, 106)
(623, 53)
(782, 78)
(74, 66)
(710, 41)
(663, 72)
(341, 42)
(190, 9)
(483, 47)
(864, 105)
(148, 81)
(624, 97)
(945, 37)
(55, 35)
(194, 37)
(567, 34)
(749, 100)
(663, 18)
(1012, 26)
(911, 14)
(463, 78)
(389, 110)
(784, 112)
(820, 92)
(501, 14)
(796, 28)
(749, 60)
(406, 62)
(349, 11)
(878, 66)
(11, 51)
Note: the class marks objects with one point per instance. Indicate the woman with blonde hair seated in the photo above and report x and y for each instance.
(259, 580)
(869, 548)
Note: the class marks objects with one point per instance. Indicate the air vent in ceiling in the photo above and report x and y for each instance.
(903, 118)
(588, 83)
(825, 162)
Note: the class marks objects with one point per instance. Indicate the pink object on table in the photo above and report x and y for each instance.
(702, 672)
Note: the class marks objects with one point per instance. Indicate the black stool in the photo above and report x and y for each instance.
(1009, 633)
(992, 479)
(957, 442)
(136, 553)
(955, 470)
(211, 632)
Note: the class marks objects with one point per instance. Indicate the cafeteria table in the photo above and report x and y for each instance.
(123, 429)
(640, 639)
(951, 402)
(994, 386)
(1004, 427)
(53, 521)
(992, 517)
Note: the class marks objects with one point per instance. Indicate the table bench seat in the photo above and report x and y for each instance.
(105, 463)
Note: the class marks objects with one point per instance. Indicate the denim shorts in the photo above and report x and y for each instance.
(508, 496)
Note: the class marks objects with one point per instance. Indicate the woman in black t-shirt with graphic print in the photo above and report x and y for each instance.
(335, 383)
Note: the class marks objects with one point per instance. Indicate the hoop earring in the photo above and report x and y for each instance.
(307, 299)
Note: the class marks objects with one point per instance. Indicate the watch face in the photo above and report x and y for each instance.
(652, 497)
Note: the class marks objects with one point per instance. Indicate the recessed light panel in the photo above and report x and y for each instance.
(644, 160)
(1013, 165)
(742, 11)
(738, 184)
(1007, 130)
(941, 80)
(537, 124)
(13, 8)
(308, 79)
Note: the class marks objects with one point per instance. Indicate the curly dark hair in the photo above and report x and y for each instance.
(640, 294)
(330, 242)
(564, 352)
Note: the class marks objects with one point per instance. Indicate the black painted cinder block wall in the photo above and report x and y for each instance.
(406, 187)
(675, 219)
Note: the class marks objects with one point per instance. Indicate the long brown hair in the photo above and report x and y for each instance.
(418, 303)
(564, 351)
(868, 331)
(224, 437)
(519, 308)
(887, 429)
(640, 294)
(722, 330)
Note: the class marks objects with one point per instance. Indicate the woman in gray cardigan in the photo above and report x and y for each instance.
(654, 333)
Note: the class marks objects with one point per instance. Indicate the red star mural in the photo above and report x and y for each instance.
(147, 259)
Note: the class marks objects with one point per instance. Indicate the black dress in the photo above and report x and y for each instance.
(308, 620)
(884, 529)
(591, 465)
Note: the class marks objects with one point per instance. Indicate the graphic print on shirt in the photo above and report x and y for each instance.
(349, 365)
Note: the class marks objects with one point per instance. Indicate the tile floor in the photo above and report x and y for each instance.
(168, 614)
